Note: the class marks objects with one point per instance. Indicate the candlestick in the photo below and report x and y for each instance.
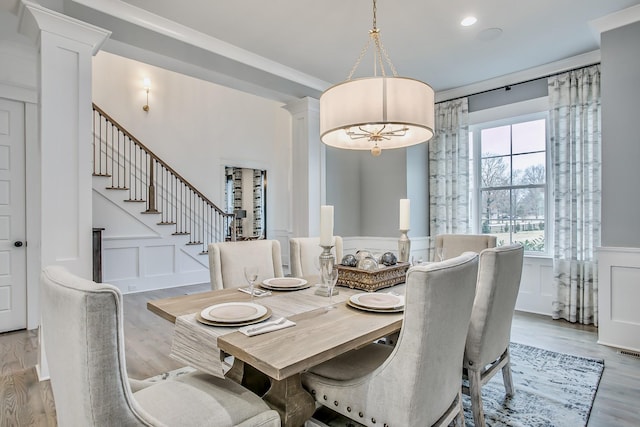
(326, 225)
(327, 264)
(404, 246)
(405, 210)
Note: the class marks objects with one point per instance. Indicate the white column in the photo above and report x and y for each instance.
(308, 189)
(66, 47)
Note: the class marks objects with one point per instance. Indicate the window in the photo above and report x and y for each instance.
(509, 186)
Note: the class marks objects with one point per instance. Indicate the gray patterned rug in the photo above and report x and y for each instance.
(552, 390)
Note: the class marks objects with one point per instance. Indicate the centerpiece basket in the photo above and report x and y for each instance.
(372, 280)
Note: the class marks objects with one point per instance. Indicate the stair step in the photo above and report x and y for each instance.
(193, 243)
(135, 200)
(204, 253)
(117, 188)
(181, 233)
(167, 223)
(150, 212)
(106, 175)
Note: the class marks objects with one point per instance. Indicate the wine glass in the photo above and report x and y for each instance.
(331, 283)
(440, 253)
(251, 274)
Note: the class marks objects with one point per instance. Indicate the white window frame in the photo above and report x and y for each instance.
(534, 109)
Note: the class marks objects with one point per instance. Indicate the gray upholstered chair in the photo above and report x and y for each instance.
(455, 244)
(228, 259)
(487, 347)
(304, 253)
(417, 382)
(83, 334)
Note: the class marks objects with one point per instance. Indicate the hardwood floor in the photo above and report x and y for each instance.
(26, 402)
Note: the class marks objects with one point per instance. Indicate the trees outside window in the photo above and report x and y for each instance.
(510, 186)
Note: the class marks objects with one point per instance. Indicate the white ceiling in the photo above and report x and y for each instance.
(287, 49)
(423, 38)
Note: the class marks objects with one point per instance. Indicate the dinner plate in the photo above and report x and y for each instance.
(285, 284)
(376, 310)
(378, 300)
(233, 312)
(202, 320)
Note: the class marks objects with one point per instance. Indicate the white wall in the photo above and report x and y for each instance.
(197, 127)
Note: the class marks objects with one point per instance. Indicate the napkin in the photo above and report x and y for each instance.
(256, 292)
(264, 327)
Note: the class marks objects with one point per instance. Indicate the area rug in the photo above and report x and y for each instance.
(552, 390)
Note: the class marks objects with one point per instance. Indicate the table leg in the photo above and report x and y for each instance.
(294, 404)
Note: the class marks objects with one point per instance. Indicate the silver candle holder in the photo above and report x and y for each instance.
(404, 246)
(327, 264)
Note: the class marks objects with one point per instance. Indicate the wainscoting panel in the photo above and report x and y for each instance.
(619, 293)
(536, 286)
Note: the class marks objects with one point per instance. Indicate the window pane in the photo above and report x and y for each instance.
(529, 169)
(495, 171)
(495, 141)
(529, 136)
(529, 220)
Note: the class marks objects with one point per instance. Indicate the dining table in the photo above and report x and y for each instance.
(320, 333)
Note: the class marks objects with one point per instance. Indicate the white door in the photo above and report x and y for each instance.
(13, 282)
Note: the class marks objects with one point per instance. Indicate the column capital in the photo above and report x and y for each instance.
(34, 18)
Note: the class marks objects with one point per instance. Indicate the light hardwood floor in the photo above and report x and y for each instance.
(26, 402)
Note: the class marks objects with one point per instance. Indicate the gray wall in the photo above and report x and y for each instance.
(620, 50)
(366, 191)
(418, 188)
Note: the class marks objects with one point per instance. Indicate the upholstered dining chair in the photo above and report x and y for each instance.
(455, 244)
(304, 253)
(228, 259)
(417, 382)
(487, 346)
(82, 326)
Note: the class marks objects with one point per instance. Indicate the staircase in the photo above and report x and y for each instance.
(155, 199)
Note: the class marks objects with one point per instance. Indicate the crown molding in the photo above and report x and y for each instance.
(615, 20)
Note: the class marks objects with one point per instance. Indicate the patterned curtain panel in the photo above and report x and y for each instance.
(576, 157)
(258, 196)
(237, 198)
(449, 169)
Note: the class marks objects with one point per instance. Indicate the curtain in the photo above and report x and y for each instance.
(258, 195)
(449, 169)
(575, 113)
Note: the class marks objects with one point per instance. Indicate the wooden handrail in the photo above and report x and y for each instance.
(132, 166)
(158, 159)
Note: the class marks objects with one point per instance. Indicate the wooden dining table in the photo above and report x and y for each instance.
(319, 334)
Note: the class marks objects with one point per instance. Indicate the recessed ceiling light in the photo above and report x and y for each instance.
(468, 21)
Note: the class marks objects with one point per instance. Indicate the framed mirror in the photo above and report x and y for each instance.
(246, 196)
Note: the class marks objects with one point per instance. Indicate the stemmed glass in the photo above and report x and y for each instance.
(440, 254)
(331, 283)
(251, 274)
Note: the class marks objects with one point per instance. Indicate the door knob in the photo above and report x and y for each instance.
(18, 244)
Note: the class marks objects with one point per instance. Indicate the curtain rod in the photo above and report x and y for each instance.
(509, 86)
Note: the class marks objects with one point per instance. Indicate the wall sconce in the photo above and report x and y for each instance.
(147, 85)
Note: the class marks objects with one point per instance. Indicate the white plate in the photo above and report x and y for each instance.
(233, 312)
(376, 310)
(378, 300)
(284, 283)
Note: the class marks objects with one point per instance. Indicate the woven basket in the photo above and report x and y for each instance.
(372, 280)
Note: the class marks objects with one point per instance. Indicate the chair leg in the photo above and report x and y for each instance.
(506, 377)
(475, 390)
(459, 420)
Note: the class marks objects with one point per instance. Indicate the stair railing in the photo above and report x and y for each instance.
(132, 167)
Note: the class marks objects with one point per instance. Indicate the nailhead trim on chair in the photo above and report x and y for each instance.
(360, 414)
(335, 402)
(373, 420)
(348, 408)
(325, 397)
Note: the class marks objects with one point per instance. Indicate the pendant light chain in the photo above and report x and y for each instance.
(380, 53)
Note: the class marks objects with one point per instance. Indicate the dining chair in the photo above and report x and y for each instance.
(487, 347)
(417, 382)
(82, 327)
(304, 253)
(455, 244)
(228, 259)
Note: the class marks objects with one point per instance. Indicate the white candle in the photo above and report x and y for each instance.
(326, 225)
(405, 209)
